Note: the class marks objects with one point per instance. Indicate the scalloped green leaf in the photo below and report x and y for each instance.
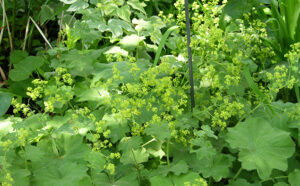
(261, 147)
(60, 173)
(294, 177)
(133, 156)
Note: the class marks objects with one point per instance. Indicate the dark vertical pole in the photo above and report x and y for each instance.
(188, 33)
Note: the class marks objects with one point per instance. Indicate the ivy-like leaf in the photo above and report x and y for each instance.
(78, 5)
(116, 27)
(260, 146)
(68, 1)
(135, 4)
(124, 13)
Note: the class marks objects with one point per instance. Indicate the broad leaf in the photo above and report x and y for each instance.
(131, 42)
(95, 94)
(260, 146)
(116, 27)
(78, 5)
(242, 182)
(16, 56)
(160, 131)
(5, 100)
(23, 69)
(68, 1)
(281, 184)
(61, 173)
(47, 13)
(129, 143)
(96, 161)
(132, 156)
(179, 168)
(135, 4)
(124, 13)
(294, 177)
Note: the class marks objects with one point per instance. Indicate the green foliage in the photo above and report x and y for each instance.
(5, 100)
(261, 147)
(109, 103)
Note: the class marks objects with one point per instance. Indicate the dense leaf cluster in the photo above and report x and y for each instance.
(106, 100)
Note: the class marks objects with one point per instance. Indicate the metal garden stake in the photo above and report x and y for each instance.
(188, 32)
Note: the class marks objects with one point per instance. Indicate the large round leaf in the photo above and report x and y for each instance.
(261, 146)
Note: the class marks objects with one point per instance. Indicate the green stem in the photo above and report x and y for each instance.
(168, 147)
(137, 167)
(249, 112)
(255, 88)
(297, 93)
(71, 105)
(150, 141)
(30, 36)
(237, 173)
(13, 21)
(209, 181)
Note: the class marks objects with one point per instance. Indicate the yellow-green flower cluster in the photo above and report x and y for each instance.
(101, 145)
(62, 76)
(110, 167)
(101, 142)
(53, 95)
(281, 78)
(137, 129)
(21, 108)
(221, 57)
(57, 95)
(294, 114)
(6, 144)
(37, 92)
(8, 180)
(22, 134)
(224, 111)
(199, 182)
(154, 91)
(294, 54)
(182, 136)
(86, 112)
(293, 58)
(112, 156)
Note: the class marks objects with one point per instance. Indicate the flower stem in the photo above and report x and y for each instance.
(237, 173)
